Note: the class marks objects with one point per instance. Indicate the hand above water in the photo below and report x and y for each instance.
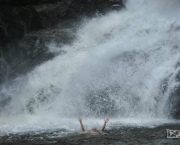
(80, 119)
(106, 120)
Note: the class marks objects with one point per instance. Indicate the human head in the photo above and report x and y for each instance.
(94, 129)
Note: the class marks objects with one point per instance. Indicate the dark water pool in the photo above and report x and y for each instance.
(115, 136)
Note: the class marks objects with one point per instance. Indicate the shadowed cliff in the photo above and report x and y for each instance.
(27, 27)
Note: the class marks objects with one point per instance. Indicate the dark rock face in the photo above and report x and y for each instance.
(15, 22)
(173, 101)
(32, 49)
(23, 27)
(20, 17)
(25, 2)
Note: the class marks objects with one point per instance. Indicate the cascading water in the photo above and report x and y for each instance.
(117, 67)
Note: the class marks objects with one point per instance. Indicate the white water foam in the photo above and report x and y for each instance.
(127, 54)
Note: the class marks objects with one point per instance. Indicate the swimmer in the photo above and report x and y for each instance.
(93, 129)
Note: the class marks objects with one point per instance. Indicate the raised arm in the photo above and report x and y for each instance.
(105, 121)
(82, 126)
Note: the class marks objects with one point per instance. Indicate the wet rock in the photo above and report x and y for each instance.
(20, 17)
(117, 4)
(23, 44)
(173, 102)
(51, 14)
(15, 22)
(176, 97)
(4, 101)
(25, 2)
(18, 21)
(33, 49)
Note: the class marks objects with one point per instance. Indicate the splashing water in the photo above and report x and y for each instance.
(115, 67)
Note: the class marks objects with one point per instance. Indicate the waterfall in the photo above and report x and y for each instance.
(121, 65)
